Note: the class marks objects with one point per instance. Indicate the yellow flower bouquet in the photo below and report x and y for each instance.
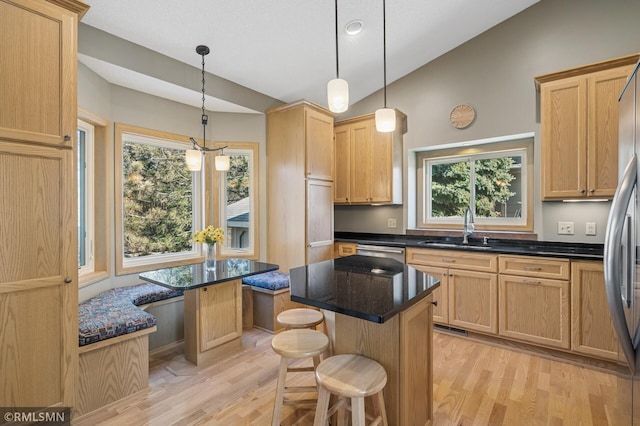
(209, 235)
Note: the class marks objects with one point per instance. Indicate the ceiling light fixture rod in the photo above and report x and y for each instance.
(384, 48)
(337, 59)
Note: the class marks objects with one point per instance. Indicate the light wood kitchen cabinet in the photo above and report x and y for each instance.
(299, 184)
(579, 129)
(534, 300)
(342, 249)
(440, 294)
(39, 285)
(470, 293)
(591, 327)
(368, 163)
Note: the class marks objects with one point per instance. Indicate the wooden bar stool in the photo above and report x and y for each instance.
(354, 377)
(300, 318)
(295, 344)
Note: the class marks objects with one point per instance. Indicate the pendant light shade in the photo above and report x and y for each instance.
(385, 120)
(338, 95)
(193, 157)
(385, 117)
(194, 160)
(222, 163)
(337, 89)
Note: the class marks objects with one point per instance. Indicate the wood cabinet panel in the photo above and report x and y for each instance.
(319, 221)
(371, 165)
(539, 267)
(38, 85)
(453, 259)
(441, 294)
(319, 146)
(535, 310)
(345, 249)
(592, 331)
(579, 128)
(220, 314)
(473, 300)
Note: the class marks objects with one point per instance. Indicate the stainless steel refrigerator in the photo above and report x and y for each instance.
(622, 254)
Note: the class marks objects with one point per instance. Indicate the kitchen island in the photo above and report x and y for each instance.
(379, 308)
(212, 304)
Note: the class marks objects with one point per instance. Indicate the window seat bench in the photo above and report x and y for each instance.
(270, 296)
(113, 344)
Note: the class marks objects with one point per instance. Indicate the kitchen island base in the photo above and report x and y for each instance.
(403, 345)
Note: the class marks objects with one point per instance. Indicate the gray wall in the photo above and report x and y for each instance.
(121, 105)
(494, 73)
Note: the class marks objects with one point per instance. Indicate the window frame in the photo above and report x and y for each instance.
(89, 190)
(155, 261)
(519, 145)
(216, 210)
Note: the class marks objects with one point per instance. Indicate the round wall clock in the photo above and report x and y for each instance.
(462, 116)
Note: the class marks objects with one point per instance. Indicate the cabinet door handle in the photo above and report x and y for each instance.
(582, 191)
(532, 268)
(434, 303)
(67, 138)
(592, 190)
(67, 280)
(449, 260)
(530, 282)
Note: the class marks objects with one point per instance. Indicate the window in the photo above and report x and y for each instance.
(159, 202)
(493, 179)
(237, 200)
(86, 218)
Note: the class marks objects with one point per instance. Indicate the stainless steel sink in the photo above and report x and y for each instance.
(454, 245)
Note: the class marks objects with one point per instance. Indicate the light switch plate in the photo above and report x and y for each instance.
(590, 229)
(391, 223)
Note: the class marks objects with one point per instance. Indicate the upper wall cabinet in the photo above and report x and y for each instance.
(368, 163)
(579, 129)
(40, 54)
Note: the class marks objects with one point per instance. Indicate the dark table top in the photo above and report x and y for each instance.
(370, 288)
(189, 277)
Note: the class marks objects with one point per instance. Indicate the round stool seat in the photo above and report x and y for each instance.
(351, 376)
(300, 343)
(300, 318)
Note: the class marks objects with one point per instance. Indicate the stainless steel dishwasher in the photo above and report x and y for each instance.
(396, 253)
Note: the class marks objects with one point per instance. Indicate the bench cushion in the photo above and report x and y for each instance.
(114, 312)
(269, 280)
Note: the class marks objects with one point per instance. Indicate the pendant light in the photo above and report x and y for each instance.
(193, 156)
(338, 89)
(385, 117)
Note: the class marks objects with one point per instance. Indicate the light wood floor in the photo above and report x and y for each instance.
(474, 384)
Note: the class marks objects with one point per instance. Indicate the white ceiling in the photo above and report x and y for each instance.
(286, 48)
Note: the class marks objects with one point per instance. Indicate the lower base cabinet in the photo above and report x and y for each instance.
(535, 310)
(592, 331)
(473, 300)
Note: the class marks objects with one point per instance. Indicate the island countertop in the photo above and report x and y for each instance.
(189, 277)
(370, 288)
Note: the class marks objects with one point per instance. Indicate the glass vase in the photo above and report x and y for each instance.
(210, 256)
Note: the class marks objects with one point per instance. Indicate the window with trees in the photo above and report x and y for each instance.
(159, 202)
(85, 137)
(237, 200)
(494, 180)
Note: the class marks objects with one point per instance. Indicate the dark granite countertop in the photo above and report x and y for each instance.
(370, 288)
(494, 245)
(189, 277)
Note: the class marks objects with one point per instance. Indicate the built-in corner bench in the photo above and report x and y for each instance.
(114, 333)
(270, 296)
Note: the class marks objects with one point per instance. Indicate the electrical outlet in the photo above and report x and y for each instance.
(590, 229)
(565, 228)
(391, 223)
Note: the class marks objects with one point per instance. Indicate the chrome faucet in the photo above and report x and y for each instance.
(469, 226)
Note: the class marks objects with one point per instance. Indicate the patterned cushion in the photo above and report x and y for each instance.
(114, 312)
(269, 280)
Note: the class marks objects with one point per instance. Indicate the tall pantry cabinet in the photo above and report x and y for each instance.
(38, 202)
(300, 176)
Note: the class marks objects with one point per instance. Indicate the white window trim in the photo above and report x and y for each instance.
(89, 207)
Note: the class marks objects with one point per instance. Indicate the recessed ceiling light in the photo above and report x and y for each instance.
(353, 27)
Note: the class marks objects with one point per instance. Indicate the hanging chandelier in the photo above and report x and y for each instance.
(194, 155)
